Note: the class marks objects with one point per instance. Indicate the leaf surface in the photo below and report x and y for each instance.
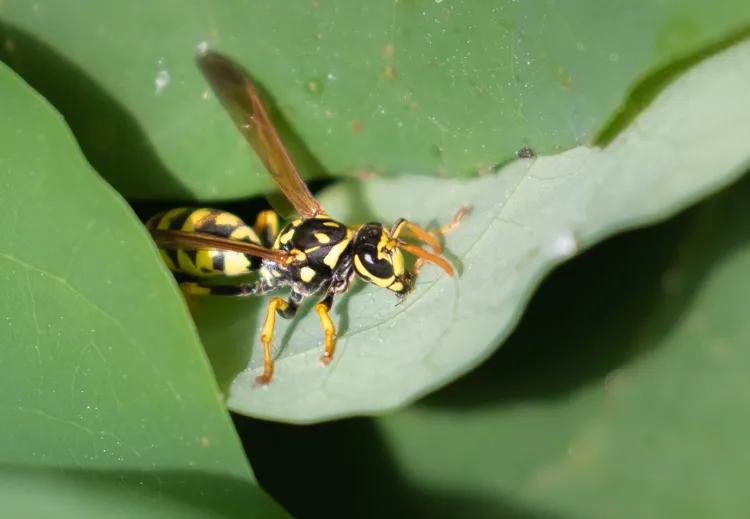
(622, 393)
(422, 86)
(639, 389)
(526, 219)
(101, 375)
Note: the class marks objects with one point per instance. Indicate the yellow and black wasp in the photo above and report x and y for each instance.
(314, 254)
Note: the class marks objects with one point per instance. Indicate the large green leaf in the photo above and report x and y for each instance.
(527, 218)
(623, 393)
(668, 425)
(33, 494)
(423, 86)
(101, 375)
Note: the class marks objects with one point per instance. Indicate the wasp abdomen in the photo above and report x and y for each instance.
(207, 262)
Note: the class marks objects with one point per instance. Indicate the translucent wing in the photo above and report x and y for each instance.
(240, 98)
(169, 239)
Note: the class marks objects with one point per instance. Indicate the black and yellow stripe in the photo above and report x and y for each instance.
(212, 222)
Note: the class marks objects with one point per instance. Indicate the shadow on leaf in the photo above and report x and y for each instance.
(591, 316)
(345, 469)
(108, 135)
(646, 90)
(225, 496)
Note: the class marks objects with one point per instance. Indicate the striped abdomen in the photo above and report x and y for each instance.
(207, 263)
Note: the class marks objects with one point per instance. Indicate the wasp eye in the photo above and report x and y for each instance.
(380, 268)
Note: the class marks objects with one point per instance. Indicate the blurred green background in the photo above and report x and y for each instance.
(622, 392)
(433, 87)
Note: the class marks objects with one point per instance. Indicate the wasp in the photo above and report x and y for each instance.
(314, 254)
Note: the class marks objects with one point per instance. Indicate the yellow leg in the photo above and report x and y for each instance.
(456, 220)
(431, 237)
(328, 327)
(417, 267)
(450, 226)
(266, 336)
(189, 289)
(267, 227)
(407, 229)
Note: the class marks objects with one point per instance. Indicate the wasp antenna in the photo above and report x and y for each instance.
(429, 257)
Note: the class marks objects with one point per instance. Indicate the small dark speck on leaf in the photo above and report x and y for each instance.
(390, 72)
(436, 151)
(357, 126)
(388, 50)
(526, 153)
(476, 87)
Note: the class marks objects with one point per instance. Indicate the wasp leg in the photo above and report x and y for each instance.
(193, 288)
(404, 227)
(408, 229)
(287, 310)
(267, 227)
(445, 229)
(421, 254)
(328, 327)
(456, 220)
(196, 288)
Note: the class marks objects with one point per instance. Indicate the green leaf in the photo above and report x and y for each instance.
(101, 374)
(27, 493)
(430, 87)
(647, 396)
(623, 393)
(526, 219)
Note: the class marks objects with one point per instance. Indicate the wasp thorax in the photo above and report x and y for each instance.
(378, 262)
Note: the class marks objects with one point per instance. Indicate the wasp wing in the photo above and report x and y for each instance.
(240, 98)
(180, 240)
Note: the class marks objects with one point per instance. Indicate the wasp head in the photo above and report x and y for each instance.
(378, 261)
